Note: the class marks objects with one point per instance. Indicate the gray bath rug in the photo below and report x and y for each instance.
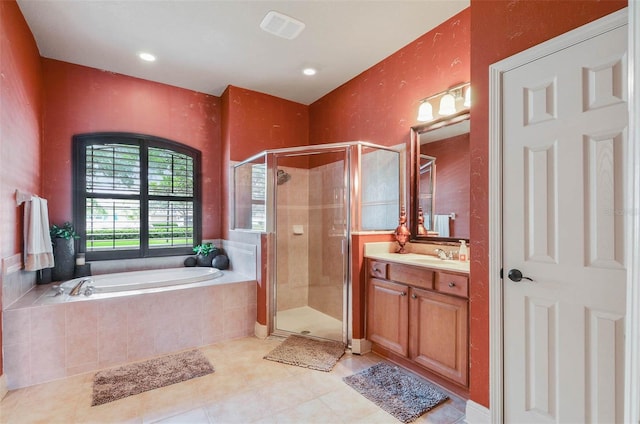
(404, 396)
(131, 379)
(305, 352)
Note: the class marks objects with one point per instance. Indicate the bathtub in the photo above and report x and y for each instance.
(141, 280)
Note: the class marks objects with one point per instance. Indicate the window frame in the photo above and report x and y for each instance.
(144, 141)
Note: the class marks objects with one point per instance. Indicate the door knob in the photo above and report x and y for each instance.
(516, 275)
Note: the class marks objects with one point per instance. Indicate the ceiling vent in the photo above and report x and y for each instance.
(281, 25)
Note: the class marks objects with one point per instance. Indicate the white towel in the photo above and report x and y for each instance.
(441, 225)
(38, 251)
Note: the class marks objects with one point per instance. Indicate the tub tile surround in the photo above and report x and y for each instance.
(44, 342)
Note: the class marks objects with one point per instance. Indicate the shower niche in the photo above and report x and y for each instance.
(310, 200)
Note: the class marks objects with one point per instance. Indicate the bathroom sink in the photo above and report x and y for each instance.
(427, 261)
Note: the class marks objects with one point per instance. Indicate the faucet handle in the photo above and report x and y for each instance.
(58, 289)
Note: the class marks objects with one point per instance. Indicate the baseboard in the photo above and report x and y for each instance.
(260, 330)
(477, 414)
(360, 346)
(3, 386)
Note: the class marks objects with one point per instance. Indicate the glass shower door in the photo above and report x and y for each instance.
(311, 229)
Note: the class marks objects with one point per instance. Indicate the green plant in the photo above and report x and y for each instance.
(204, 249)
(66, 231)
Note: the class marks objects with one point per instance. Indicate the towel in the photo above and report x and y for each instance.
(441, 225)
(38, 251)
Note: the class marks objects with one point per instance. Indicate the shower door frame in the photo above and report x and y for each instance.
(272, 157)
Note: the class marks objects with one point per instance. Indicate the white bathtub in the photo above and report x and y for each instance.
(140, 280)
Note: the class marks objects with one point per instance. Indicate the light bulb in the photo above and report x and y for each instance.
(447, 105)
(467, 97)
(425, 112)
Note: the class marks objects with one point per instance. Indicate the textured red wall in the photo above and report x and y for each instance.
(452, 180)
(258, 121)
(500, 29)
(78, 99)
(20, 121)
(20, 126)
(381, 104)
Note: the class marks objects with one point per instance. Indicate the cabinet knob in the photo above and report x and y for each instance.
(403, 293)
(452, 284)
(414, 296)
(376, 270)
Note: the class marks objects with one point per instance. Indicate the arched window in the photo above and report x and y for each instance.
(135, 196)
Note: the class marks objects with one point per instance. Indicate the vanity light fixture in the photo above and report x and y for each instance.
(449, 102)
(447, 105)
(425, 112)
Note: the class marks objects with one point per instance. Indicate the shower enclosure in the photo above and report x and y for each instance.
(311, 200)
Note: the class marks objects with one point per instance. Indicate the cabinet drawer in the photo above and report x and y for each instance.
(378, 269)
(452, 284)
(414, 276)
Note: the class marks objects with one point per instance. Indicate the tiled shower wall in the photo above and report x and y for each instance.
(292, 257)
(327, 217)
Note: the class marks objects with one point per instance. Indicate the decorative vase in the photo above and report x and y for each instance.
(64, 258)
(205, 260)
(402, 233)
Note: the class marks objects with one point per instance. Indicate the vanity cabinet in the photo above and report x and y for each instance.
(419, 317)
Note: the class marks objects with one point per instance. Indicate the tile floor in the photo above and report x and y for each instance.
(244, 389)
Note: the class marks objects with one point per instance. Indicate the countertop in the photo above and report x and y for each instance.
(425, 261)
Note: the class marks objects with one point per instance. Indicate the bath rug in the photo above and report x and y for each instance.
(403, 395)
(131, 379)
(305, 352)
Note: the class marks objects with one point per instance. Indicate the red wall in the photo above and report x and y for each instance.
(78, 99)
(258, 121)
(500, 29)
(381, 104)
(20, 126)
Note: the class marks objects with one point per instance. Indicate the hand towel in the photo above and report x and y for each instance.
(441, 225)
(38, 251)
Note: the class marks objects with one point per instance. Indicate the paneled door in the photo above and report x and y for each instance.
(564, 136)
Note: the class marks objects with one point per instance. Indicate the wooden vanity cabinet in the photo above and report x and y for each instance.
(420, 321)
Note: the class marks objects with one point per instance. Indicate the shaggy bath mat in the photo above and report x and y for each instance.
(305, 352)
(404, 396)
(131, 379)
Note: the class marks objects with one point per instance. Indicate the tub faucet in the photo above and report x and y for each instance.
(75, 291)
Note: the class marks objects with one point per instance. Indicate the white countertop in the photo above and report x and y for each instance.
(426, 261)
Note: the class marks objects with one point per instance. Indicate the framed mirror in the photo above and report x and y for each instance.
(439, 179)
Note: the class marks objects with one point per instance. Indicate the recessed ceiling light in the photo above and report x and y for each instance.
(309, 71)
(147, 57)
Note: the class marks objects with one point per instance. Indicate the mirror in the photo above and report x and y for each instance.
(440, 179)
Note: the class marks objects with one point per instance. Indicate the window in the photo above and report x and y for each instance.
(135, 196)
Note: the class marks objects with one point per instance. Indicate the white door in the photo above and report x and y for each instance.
(564, 135)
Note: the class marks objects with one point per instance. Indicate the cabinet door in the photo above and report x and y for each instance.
(387, 315)
(438, 331)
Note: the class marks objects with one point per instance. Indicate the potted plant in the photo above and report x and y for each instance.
(205, 253)
(63, 240)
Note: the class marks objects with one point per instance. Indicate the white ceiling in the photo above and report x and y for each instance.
(208, 44)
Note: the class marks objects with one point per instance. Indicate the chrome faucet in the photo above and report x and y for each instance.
(441, 254)
(75, 291)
